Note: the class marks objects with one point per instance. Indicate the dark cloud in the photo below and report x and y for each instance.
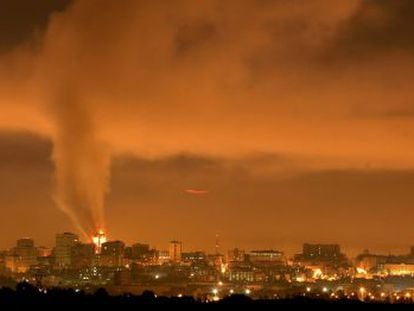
(390, 114)
(194, 35)
(21, 20)
(247, 204)
(26, 205)
(377, 27)
(24, 151)
(351, 207)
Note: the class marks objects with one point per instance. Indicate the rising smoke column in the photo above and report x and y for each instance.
(82, 164)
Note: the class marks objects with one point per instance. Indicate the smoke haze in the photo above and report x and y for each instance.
(325, 84)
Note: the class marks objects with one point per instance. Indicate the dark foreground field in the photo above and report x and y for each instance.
(28, 295)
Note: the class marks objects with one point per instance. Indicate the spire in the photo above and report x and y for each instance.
(217, 246)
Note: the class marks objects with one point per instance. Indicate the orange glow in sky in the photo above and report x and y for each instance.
(295, 119)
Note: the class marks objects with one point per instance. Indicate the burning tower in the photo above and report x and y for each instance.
(98, 239)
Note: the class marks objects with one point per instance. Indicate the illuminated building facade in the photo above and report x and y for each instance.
(63, 249)
(401, 269)
(175, 251)
(266, 256)
(112, 254)
(163, 256)
(22, 257)
(194, 257)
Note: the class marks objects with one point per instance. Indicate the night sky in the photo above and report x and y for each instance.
(270, 122)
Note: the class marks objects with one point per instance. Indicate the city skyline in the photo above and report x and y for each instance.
(319, 272)
(270, 123)
(63, 254)
(215, 248)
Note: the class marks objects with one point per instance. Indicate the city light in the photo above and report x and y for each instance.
(118, 264)
(300, 279)
(361, 271)
(317, 273)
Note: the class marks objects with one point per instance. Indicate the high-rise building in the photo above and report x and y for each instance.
(27, 252)
(98, 239)
(63, 249)
(175, 251)
(22, 257)
(83, 255)
(112, 253)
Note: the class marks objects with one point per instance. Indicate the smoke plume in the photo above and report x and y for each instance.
(82, 164)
